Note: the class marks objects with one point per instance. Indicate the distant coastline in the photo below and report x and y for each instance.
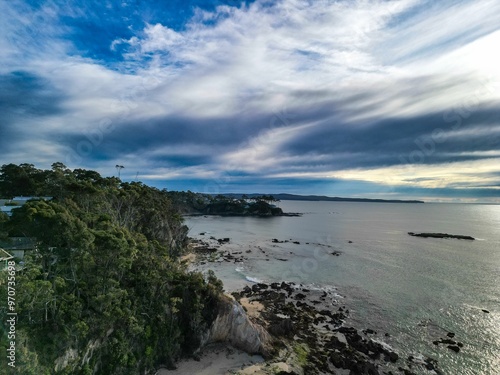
(262, 205)
(296, 197)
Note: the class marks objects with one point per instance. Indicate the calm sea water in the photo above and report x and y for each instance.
(413, 288)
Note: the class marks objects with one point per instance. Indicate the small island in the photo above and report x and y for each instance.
(194, 204)
(441, 235)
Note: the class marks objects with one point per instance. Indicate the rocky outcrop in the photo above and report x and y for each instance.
(62, 362)
(310, 336)
(441, 235)
(73, 359)
(233, 326)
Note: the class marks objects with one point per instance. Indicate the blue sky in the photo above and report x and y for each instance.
(382, 99)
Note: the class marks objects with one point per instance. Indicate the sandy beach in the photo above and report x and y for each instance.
(216, 359)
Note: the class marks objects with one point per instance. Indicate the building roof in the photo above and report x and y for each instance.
(18, 243)
(28, 198)
(8, 208)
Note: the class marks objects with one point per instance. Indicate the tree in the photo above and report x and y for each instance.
(119, 168)
(104, 276)
(19, 180)
(3, 222)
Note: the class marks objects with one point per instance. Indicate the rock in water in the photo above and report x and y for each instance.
(441, 235)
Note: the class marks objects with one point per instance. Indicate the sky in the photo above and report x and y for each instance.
(379, 99)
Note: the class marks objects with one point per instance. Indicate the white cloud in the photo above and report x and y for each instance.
(466, 174)
(437, 28)
(343, 47)
(377, 59)
(156, 38)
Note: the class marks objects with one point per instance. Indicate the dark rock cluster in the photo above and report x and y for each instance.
(451, 344)
(294, 314)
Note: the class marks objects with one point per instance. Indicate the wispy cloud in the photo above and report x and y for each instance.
(377, 94)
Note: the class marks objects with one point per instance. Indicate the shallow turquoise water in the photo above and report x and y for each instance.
(416, 289)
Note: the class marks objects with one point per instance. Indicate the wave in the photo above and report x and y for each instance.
(253, 280)
(385, 345)
(241, 270)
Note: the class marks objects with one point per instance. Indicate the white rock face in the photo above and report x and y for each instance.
(62, 362)
(233, 326)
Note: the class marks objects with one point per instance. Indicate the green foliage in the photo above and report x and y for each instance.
(214, 282)
(22, 179)
(3, 222)
(104, 281)
(302, 352)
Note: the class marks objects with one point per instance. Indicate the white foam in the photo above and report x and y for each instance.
(419, 359)
(385, 345)
(253, 279)
(283, 316)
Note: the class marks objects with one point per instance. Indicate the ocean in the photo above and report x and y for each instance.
(415, 289)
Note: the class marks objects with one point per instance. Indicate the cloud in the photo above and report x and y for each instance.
(430, 30)
(291, 90)
(157, 38)
(25, 100)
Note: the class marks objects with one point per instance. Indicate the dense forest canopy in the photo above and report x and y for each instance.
(103, 291)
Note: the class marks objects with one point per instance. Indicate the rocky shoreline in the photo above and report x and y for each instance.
(209, 250)
(307, 329)
(309, 335)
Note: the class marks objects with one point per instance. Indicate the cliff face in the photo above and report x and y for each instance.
(233, 326)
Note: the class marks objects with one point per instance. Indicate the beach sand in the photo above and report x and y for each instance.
(188, 258)
(253, 308)
(216, 359)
